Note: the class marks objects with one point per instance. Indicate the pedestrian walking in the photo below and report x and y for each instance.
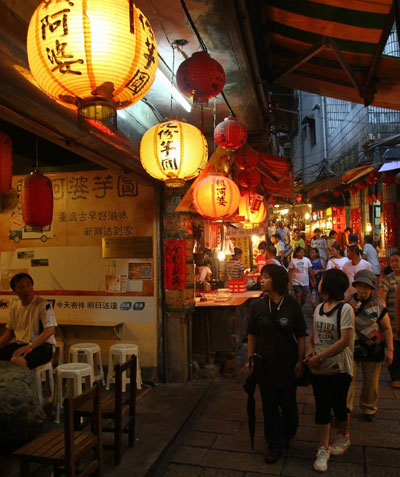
(354, 265)
(276, 331)
(337, 260)
(371, 255)
(372, 332)
(317, 271)
(320, 243)
(300, 275)
(330, 356)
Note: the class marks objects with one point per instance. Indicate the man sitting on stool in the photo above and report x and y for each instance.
(32, 323)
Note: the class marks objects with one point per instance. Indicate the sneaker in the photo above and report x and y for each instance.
(321, 461)
(368, 417)
(341, 444)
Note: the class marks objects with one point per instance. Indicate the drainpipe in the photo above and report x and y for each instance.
(324, 129)
(301, 135)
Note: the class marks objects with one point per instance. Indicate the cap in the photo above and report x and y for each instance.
(365, 276)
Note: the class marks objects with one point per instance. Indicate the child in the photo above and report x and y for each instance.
(317, 270)
(387, 289)
(300, 275)
(371, 323)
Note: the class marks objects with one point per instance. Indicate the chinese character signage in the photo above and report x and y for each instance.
(175, 264)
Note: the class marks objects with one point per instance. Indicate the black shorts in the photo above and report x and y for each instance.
(40, 355)
(330, 394)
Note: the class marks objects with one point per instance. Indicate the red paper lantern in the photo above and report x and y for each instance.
(370, 201)
(37, 200)
(373, 177)
(397, 178)
(200, 77)
(216, 197)
(230, 134)
(374, 198)
(5, 163)
(246, 158)
(337, 192)
(379, 196)
(362, 185)
(299, 198)
(353, 190)
(249, 179)
(388, 178)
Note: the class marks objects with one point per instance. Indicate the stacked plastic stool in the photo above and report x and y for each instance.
(91, 354)
(118, 354)
(47, 370)
(78, 373)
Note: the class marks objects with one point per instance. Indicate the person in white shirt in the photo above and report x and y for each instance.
(354, 265)
(283, 232)
(336, 260)
(353, 240)
(279, 246)
(300, 275)
(371, 255)
(320, 243)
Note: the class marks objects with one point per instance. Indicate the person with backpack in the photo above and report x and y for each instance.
(330, 353)
(373, 331)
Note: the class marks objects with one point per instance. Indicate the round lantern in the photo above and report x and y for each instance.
(216, 197)
(173, 152)
(362, 185)
(353, 190)
(370, 200)
(299, 198)
(5, 163)
(200, 77)
(373, 177)
(37, 200)
(397, 178)
(337, 192)
(230, 134)
(388, 178)
(96, 55)
(246, 158)
(249, 179)
(252, 208)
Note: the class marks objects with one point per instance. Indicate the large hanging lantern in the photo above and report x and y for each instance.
(173, 152)
(246, 158)
(299, 197)
(252, 208)
(5, 163)
(96, 55)
(216, 197)
(37, 200)
(249, 179)
(230, 134)
(200, 77)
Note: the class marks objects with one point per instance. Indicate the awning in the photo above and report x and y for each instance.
(324, 185)
(277, 174)
(356, 173)
(390, 166)
(330, 47)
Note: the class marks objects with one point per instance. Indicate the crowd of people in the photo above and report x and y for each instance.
(356, 325)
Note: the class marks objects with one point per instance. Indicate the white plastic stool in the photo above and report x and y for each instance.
(119, 353)
(91, 353)
(47, 369)
(75, 371)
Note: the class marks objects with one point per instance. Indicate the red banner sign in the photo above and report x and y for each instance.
(175, 264)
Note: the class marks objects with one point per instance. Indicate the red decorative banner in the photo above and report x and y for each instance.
(355, 221)
(175, 264)
(391, 215)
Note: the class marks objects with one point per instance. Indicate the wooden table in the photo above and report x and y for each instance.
(237, 299)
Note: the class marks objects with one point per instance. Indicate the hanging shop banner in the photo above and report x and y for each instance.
(355, 220)
(391, 214)
(175, 264)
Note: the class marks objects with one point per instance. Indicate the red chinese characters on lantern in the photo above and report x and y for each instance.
(249, 179)
(230, 134)
(175, 264)
(246, 158)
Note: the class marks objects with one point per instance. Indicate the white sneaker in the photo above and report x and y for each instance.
(321, 462)
(341, 444)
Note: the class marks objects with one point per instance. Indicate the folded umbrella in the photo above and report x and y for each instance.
(250, 387)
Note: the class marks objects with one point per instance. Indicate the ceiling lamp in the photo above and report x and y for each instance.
(230, 134)
(252, 208)
(37, 200)
(216, 197)
(94, 55)
(200, 77)
(173, 152)
(246, 158)
(5, 163)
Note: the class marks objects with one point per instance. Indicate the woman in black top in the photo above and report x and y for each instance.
(276, 331)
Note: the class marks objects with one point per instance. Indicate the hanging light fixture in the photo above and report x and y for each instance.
(173, 152)
(252, 208)
(94, 55)
(216, 197)
(230, 134)
(37, 198)
(5, 163)
(200, 77)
